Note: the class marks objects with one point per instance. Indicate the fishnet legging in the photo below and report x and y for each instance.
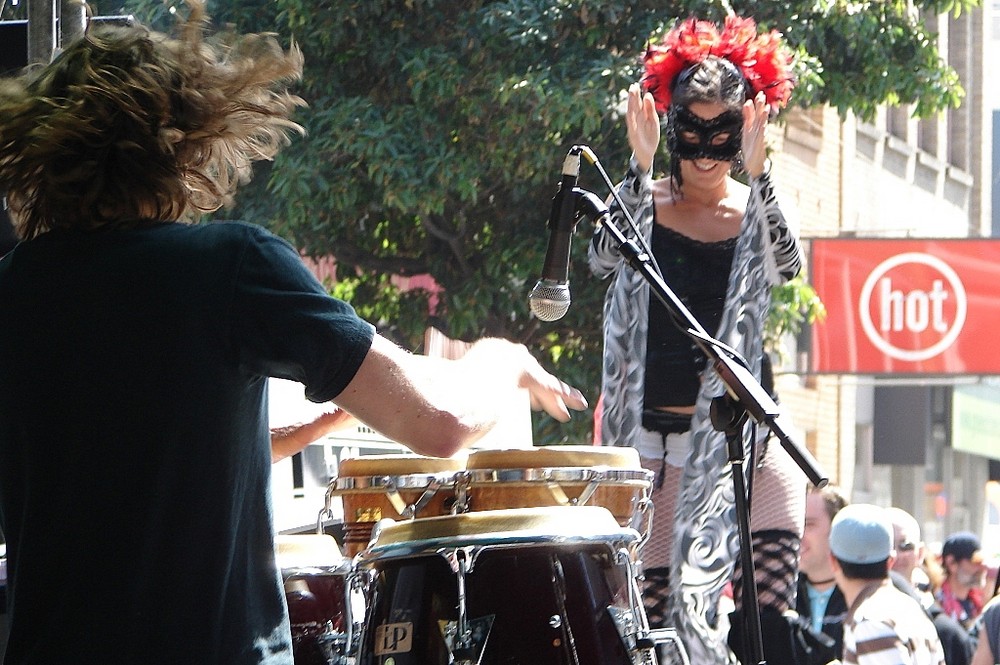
(775, 560)
(777, 517)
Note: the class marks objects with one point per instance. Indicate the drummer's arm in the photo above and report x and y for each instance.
(286, 441)
(436, 406)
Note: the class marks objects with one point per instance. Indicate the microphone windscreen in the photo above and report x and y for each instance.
(549, 300)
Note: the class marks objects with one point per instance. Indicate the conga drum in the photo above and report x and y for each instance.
(376, 487)
(606, 476)
(545, 586)
(317, 591)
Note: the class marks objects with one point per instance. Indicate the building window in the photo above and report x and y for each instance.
(897, 122)
(805, 127)
(927, 135)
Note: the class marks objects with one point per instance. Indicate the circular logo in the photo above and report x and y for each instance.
(912, 306)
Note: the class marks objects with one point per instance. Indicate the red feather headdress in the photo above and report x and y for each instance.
(763, 59)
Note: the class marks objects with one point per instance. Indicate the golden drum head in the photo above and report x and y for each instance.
(307, 550)
(553, 522)
(398, 465)
(555, 456)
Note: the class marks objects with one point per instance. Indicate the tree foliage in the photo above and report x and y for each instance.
(437, 129)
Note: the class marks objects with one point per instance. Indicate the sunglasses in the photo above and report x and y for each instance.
(906, 546)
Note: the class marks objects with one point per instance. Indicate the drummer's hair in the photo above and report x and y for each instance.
(128, 126)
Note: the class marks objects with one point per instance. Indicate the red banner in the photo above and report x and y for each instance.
(908, 306)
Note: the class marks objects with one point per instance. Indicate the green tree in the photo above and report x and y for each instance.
(437, 129)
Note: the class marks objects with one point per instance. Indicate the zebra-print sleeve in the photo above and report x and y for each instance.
(636, 195)
(785, 256)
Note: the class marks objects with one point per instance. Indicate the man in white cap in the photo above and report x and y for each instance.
(884, 626)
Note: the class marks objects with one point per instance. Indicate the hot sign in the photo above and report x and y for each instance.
(928, 306)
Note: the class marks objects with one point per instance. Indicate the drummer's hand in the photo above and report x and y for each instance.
(545, 391)
(286, 441)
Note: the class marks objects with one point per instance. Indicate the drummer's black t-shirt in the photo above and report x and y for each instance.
(134, 442)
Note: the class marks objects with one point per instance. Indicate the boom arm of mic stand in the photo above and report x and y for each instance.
(745, 389)
(739, 381)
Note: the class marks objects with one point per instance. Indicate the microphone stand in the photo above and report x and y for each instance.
(744, 395)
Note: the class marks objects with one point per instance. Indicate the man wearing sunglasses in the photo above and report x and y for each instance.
(910, 550)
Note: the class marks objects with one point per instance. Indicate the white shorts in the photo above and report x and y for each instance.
(674, 448)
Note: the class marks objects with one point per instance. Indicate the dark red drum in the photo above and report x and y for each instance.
(538, 586)
(317, 591)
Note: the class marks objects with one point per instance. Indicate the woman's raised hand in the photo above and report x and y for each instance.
(755, 116)
(643, 125)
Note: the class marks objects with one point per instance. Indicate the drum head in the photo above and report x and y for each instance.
(530, 526)
(555, 456)
(398, 465)
(307, 550)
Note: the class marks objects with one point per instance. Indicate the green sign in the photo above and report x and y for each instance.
(976, 420)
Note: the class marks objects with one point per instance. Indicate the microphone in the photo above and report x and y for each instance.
(550, 298)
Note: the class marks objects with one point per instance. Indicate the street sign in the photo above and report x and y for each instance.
(907, 306)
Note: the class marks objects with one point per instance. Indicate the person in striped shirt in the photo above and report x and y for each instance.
(884, 626)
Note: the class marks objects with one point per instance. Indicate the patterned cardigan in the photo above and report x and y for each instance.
(626, 305)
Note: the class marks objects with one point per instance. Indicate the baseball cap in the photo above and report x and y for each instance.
(963, 545)
(861, 533)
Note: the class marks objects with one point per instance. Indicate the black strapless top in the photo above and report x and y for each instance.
(698, 272)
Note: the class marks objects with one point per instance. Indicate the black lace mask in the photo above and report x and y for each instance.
(680, 121)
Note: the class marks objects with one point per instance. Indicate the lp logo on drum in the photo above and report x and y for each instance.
(393, 638)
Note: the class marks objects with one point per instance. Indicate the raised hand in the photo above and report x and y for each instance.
(755, 117)
(643, 126)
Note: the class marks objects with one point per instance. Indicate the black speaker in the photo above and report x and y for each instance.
(13, 56)
(14, 41)
(7, 241)
(13, 46)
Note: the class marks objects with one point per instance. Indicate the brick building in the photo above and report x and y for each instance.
(895, 177)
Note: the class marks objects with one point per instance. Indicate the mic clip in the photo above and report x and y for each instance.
(589, 205)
